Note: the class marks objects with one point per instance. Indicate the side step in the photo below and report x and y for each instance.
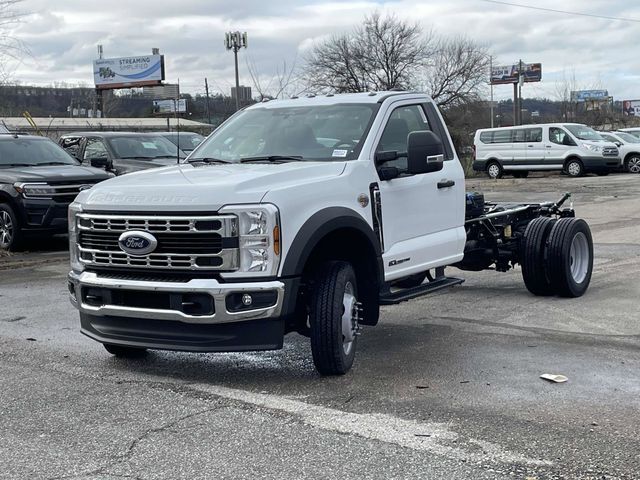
(393, 298)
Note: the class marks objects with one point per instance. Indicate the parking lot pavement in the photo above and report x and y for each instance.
(447, 386)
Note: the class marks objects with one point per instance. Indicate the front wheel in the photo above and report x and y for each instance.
(574, 168)
(632, 164)
(333, 318)
(10, 235)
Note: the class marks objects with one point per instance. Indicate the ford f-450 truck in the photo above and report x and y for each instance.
(301, 215)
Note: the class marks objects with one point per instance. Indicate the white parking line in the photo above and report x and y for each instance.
(421, 436)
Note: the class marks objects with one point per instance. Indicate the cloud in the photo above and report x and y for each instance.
(62, 36)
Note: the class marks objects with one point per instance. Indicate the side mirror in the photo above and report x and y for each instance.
(99, 162)
(425, 152)
(618, 144)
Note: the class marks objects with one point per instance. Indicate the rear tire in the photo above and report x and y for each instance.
(569, 260)
(574, 168)
(533, 247)
(10, 233)
(494, 170)
(632, 164)
(125, 352)
(333, 318)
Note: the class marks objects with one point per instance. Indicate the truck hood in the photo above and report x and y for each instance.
(52, 174)
(202, 187)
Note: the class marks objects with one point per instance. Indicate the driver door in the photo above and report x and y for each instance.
(422, 214)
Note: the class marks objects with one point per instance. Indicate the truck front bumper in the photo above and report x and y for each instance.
(201, 315)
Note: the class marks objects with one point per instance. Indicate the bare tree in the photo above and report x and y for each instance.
(283, 82)
(10, 47)
(457, 73)
(382, 54)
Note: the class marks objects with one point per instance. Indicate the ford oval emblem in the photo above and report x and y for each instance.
(137, 243)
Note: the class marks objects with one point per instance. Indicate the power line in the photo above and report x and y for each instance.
(566, 12)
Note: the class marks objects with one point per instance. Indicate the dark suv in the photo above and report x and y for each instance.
(38, 181)
(121, 152)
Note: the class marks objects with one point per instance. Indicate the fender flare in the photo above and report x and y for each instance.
(317, 227)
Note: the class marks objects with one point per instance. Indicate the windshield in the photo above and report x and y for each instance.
(32, 152)
(143, 146)
(634, 133)
(186, 141)
(319, 132)
(627, 137)
(584, 133)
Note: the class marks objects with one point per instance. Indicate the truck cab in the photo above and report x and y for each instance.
(299, 215)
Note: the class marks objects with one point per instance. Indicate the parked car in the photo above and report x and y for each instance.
(570, 147)
(38, 181)
(635, 131)
(629, 147)
(186, 141)
(121, 152)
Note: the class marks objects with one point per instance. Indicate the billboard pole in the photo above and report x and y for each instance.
(491, 86)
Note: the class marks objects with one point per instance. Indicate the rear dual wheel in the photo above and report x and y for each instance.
(557, 257)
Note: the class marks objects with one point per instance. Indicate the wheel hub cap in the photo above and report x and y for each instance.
(350, 315)
(494, 171)
(579, 257)
(6, 229)
(574, 169)
(634, 165)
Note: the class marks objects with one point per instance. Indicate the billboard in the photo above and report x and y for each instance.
(170, 106)
(509, 73)
(589, 95)
(631, 108)
(125, 72)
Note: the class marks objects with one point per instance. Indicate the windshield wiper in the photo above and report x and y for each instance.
(207, 160)
(54, 163)
(17, 164)
(273, 158)
(169, 156)
(139, 157)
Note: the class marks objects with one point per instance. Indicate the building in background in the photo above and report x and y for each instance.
(244, 94)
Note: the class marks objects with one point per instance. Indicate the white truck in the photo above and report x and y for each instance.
(301, 215)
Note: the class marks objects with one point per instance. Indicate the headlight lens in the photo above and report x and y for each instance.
(258, 238)
(593, 148)
(38, 190)
(74, 253)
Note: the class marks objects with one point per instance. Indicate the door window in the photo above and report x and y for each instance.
(403, 121)
(533, 135)
(502, 136)
(559, 136)
(95, 149)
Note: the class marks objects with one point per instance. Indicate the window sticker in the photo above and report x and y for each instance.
(150, 145)
(339, 153)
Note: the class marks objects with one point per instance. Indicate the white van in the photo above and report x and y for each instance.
(570, 147)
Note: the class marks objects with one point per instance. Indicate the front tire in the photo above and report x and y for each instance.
(533, 248)
(125, 352)
(494, 170)
(574, 168)
(333, 318)
(10, 234)
(632, 164)
(569, 261)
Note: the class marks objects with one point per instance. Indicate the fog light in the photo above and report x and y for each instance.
(247, 300)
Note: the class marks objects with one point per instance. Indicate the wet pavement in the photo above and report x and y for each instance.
(446, 386)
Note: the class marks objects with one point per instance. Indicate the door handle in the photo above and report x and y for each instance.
(530, 146)
(548, 146)
(446, 183)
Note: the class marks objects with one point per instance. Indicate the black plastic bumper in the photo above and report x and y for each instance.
(43, 215)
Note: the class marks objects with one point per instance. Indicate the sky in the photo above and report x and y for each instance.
(588, 52)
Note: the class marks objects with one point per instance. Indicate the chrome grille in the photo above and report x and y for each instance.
(610, 152)
(184, 243)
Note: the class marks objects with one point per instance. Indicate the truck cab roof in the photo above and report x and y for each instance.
(332, 99)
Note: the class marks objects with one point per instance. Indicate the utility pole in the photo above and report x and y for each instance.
(206, 89)
(520, 82)
(235, 41)
(99, 99)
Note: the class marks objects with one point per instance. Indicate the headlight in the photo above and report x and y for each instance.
(74, 253)
(258, 239)
(35, 190)
(593, 148)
